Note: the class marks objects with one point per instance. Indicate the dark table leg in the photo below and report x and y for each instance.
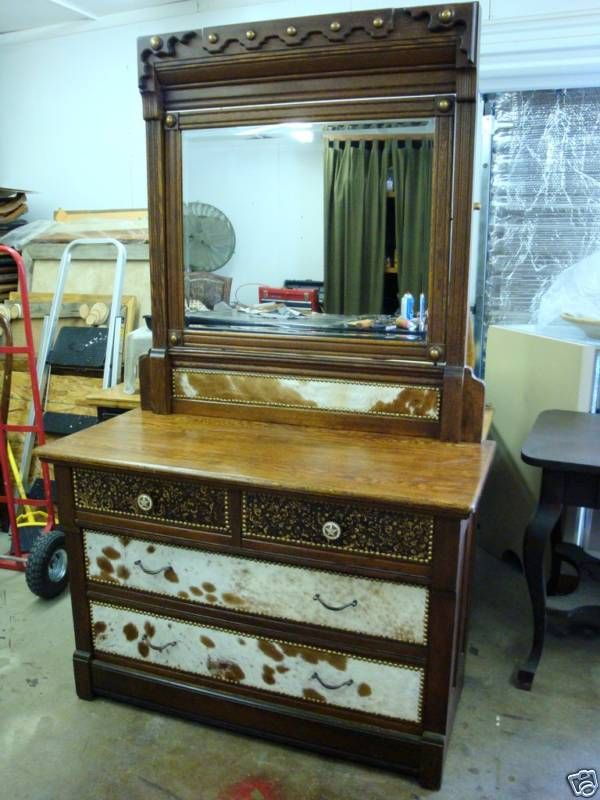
(539, 530)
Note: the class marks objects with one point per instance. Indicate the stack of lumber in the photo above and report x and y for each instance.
(13, 204)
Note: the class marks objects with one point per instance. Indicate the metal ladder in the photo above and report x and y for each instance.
(48, 334)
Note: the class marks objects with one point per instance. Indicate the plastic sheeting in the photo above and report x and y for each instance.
(20, 236)
(544, 213)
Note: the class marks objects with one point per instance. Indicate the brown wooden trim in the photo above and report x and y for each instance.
(329, 354)
(224, 103)
(75, 555)
(366, 108)
(473, 407)
(446, 554)
(174, 230)
(456, 337)
(414, 36)
(82, 671)
(433, 751)
(438, 678)
(441, 195)
(269, 720)
(310, 418)
(156, 230)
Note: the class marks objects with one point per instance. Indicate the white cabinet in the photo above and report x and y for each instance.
(529, 371)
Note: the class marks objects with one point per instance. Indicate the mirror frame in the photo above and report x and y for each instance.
(416, 62)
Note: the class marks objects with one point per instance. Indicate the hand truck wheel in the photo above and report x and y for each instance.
(47, 572)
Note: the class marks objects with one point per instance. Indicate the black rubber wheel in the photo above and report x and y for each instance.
(47, 572)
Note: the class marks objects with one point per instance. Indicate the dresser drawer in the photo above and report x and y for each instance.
(313, 674)
(337, 526)
(179, 502)
(317, 597)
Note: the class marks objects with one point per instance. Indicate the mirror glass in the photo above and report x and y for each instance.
(309, 228)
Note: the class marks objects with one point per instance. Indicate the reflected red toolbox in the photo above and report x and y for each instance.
(295, 298)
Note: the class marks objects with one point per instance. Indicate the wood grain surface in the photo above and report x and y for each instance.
(426, 474)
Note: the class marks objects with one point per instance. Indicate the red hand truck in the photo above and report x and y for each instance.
(45, 560)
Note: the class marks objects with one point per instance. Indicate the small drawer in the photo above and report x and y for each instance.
(313, 674)
(337, 526)
(375, 607)
(178, 502)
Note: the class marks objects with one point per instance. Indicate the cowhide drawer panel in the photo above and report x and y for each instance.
(320, 676)
(368, 398)
(337, 526)
(174, 501)
(363, 605)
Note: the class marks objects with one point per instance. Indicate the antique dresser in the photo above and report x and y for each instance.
(280, 541)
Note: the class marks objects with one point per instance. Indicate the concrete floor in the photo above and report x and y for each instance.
(506, 743)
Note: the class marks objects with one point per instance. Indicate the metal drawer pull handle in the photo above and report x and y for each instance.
(352, 604)
(315, 676)
(144, 502)
(158, 648)
(331, 530)
(139, 564)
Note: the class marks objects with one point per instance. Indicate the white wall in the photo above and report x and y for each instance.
(72, 124)
(272, 191)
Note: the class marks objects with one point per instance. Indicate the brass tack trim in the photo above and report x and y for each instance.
(378, 22)
(345, 549)
(156, 42)
(173, 338)
(213, 38)
(291, 30)
(83, 506)
(334, 26)
(202, 625)
(250, 35)
(443, 104)
(446, 14)
(115, 536)
(178, 395)
(328, 546)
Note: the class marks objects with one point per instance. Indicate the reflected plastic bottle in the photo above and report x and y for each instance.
(137, 344)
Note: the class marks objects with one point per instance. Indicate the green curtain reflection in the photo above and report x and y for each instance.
(355, 208)
(411, 170)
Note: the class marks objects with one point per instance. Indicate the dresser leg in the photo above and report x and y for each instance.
(539, 530)
(432, 761)
(83, 675)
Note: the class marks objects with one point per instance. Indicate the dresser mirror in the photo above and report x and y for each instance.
(310, 208)
(309, 227)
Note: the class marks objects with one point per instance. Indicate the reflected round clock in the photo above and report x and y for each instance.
(209, 237)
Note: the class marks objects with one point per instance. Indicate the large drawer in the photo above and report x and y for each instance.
(164, 500)
(313, 674)
(337, 526)
(318, 597)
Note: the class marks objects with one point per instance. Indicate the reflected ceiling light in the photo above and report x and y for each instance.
(304, 136)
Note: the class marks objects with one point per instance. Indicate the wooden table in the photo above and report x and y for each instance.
(566, 445)
(112, 401)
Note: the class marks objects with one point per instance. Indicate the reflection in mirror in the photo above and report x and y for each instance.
(309, 228)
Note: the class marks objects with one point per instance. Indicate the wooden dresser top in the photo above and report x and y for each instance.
(423, 474)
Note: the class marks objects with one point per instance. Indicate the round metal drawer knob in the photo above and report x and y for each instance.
(332, 531)
(144, 501)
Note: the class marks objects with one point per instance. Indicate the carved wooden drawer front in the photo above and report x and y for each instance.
(337, 526)
(379, 608)
(310, 673)
(180, 502)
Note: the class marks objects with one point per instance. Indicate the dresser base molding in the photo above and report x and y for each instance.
(418, 755)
